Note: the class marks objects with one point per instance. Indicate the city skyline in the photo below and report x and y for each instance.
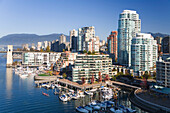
(62, 16)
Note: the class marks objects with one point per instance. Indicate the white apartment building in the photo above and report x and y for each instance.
(62, 39)
(39, 46)
(39, 58)
(163, 72)
(87, 65)
(129, 24)
(143, 52)
(87, 39)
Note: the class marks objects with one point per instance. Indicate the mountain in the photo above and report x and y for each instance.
(158, 34)
(19, 39)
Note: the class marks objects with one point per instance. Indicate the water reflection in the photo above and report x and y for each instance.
(9, 75)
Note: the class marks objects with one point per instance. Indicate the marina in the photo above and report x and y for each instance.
(22, 92)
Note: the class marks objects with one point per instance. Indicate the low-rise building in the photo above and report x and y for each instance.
(39, 58)
(163, 72)
(86, 66)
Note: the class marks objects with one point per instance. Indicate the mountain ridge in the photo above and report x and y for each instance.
(25, 38)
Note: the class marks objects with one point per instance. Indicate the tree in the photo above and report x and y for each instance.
(51, 67)
(24, 49)
(50, 73)
(92, 79)
(31, 49)
(114, 78)
(100, 77)
(48, 49)
(84, 51)
(18, 49)
(107, 77)
(93, 52)
(41, 50)
(83, 80)
(89, 52)
(64, 75)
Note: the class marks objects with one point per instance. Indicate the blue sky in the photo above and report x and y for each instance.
(61, 16)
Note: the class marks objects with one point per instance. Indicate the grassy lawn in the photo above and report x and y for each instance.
(43, 75)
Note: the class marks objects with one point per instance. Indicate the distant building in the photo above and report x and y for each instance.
(112, 44)
(87, 39)
(163, 72)
(55, 46)
(143, 52)
(62, 39)
(73, 33)
(74, 44)
(166, 45)
(33, 46)
(87, 65)
(25, 46)
(39, 58)
(129, 24)
(39, 46)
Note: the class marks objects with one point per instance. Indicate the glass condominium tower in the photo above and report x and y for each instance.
(129, 24)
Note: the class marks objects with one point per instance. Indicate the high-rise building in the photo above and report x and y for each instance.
(55, 45)
(143, 52)
(73, 33)
(129, 24)
(112, 44)
(87, 39)
(74, 44)
(39, 46)
(62, 39)
(166, 45)
(162, 72)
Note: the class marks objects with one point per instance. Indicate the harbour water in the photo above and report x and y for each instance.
(19, 95)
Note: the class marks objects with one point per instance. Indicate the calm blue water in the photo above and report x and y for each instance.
(19, 95)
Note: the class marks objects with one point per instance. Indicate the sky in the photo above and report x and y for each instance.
(44, 17)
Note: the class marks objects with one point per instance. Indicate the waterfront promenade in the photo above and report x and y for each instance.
(67, 83)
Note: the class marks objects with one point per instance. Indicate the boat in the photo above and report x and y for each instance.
(88, 92)
(23, 75)
(118, 111)
(45, 94)
(81, 109)
(56, 92)
(93, 90)
(129, 110)
(75, 96)
(112, 110)
(87, 107)
(63, 98)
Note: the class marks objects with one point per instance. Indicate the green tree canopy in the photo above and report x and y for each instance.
(64, 75)
(48, 49)
(84, 51)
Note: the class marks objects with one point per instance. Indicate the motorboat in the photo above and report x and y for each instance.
(118, 111)
(129, 110)
(82, 110)
(112, 110)
(93, 90)
(87, 107)
(75, 96)
(45, 94)
(88, 92)
(63, 98)
(23, 75)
